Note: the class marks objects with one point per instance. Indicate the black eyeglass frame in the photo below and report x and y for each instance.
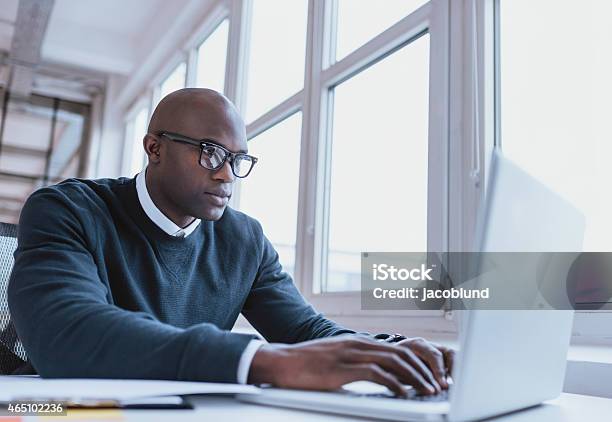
(202, 143)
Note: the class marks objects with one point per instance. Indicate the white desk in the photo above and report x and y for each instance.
(567, 408)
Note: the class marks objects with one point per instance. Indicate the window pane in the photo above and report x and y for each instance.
(34, 153)
(378, 197)
(270, 192)
(361, 20)
(26, 137)
(211, 59)
(174, 82)
(277, 53)
(67, 139)
(139, 129)
(555, 101)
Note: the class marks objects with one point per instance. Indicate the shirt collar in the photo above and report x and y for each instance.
(156, 215)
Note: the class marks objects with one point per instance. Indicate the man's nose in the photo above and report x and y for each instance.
(225, 173)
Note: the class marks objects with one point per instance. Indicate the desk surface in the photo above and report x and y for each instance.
(567, 408)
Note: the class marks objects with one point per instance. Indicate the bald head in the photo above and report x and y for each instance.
(179, 185)
(192, 109)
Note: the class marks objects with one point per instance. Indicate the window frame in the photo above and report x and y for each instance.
(313, 211)
(213, 21)
(170, 67)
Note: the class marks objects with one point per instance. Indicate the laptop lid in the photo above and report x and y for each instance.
(512, 359)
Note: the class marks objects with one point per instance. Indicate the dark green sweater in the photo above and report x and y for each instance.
(99, 290)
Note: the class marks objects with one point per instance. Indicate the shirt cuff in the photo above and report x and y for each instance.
(245, 360)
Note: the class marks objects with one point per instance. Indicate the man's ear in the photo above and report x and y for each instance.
(152, 147)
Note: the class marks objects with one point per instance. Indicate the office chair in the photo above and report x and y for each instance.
(12, 354)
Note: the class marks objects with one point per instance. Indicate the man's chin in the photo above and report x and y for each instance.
(213, 214)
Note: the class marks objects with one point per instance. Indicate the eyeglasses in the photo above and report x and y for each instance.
(213, 156)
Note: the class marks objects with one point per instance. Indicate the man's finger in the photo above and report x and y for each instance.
(433, 357)
(407, 355)
(420, 365)
(395, 365)
(449, 357)
(374, 373)
(449, 360)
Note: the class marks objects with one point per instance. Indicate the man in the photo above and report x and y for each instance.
(144, 277)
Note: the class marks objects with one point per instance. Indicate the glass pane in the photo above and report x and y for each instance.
(174, 81)
(361, 20)
(211, 59)
(67, 139)
(378, 197)
(277, 53)
(555, 102)
(27, 128)
(278, 150)
(25, 142)
(28, 135)
(139, 129)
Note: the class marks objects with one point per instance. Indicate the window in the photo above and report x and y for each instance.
(135, 132)
(555, 90)
(361, 20)
(211, 59)
(378, 194)
(69, 128)
(277, 54)
(136, 127)
(28, 124)
(324, 150)
(566, 76)
(174, 81)
(377, 174)
(43, 140)
(270, 193)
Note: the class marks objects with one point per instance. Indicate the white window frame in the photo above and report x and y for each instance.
(178, 58)
(314, 178)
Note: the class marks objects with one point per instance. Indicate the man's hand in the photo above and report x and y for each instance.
(439, 359)
(329, 363)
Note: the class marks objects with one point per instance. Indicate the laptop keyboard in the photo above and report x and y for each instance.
(442, 396)
(412, 395)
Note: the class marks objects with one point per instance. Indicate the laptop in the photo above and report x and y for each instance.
(507, 360)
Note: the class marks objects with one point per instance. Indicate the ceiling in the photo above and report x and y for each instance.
(105, 36)
(8, 14)
(83, 43)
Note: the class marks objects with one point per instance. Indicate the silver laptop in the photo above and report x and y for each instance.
(508, 360)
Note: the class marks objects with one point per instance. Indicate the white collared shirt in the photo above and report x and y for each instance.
(156, 215)
(172, 229)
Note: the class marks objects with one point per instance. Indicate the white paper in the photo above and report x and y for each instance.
(15, 388)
